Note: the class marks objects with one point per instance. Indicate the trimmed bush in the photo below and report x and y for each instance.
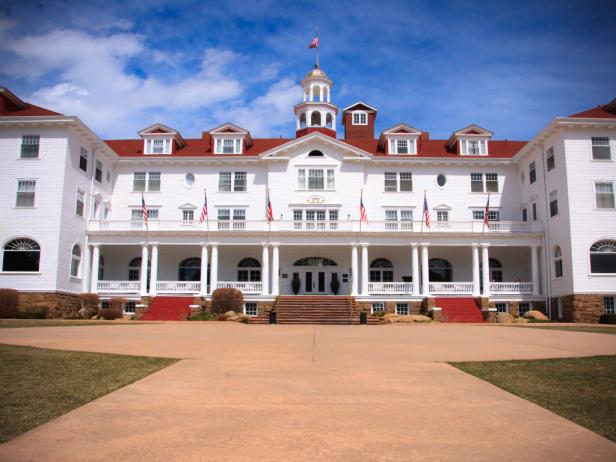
(89, 300)
(117, 303)
(9, 301)
(110, 313)
(607, 319)
(224, 300)
(33, 313)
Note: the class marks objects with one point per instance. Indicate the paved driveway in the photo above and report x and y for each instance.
(312, 393)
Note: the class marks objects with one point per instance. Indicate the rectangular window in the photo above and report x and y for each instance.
(473, 147)
(224, 181)
(476, 182)
(523, 308)
(315, 180)
(532, 173)
(98, 172)
(129, 307)
(534, 211)
(137, 214)
(391, 182)
(406, 219)
(240, 182)
(378, 307)
(558, 268)
(402, 309)
(553, 204)
(239, 218)
(330, 180)
(494, 215)
(478, 214)
(152, 214)
(601, 148)
(391, 219)
(250, 309)
(608, 305)
(301, 179)
(550, 159)
(139, 181)
(406, 181)
(501, 307)
(604, 195)
(25, 193)
(228, 146)
(403, 147)
(154, 181)
(224, 214)
(491, 182)
(81, 201)
(442, 217)
(524, 214)
(360, 118)
(188, 216)
(30, 146)
(158, 146)
(83, 160)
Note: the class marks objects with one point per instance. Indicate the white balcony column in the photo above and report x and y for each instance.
(425, 271)
(485, 269)
(214, 268)
(364, 269)
(96, 258)
(275, 269)
(265, 270)
(203, 282)
(476, 280)
(154, 269)
(354, 270)
(86, 266)
(534, 270)
(143, 286)
(415, 267)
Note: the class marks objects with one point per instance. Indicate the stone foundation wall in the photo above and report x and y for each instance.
(415, 307)
(427, 304)
(58, 304)
(363, 307)
(582, 307)
(264, 308)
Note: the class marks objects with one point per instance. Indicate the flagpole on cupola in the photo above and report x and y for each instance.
(317, 47)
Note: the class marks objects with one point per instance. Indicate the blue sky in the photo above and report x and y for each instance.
(435, 65)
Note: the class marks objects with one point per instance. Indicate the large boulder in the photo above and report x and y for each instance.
(504, 318)
(534, 314)
(392, 318)
(420, 318)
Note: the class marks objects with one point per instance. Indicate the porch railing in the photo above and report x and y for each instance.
(118, 287)
(390, 287)
(498, 288)
(178, 287)
(451, 288)
(247, 287)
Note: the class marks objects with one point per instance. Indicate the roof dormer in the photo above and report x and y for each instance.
(358, 120)
(400, 140)
(230, 139)
(470, 141)
(158, 139)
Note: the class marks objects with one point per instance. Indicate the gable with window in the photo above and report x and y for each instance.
(30, 146)
(158, 139)
(230, 139)
(470, 141)
(601, 148)
(401, 139)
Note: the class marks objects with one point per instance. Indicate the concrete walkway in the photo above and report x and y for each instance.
(312, 393)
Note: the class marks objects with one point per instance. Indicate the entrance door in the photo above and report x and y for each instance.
(308, 286)
(314, 282)
(321, 286)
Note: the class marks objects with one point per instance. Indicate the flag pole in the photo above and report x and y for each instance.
(361, 201)
(485, 214)
(207, 216)
(147, 228)
(317, 47)
(423, 214)
(269, 222)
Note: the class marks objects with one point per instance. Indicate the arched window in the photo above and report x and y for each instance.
(315, 261)
(190, 269)
(329, 121)
(558, 262)
(440, 270)
(381, 270)
(249, 269)
(75, 261)
(302, 120)
(603, 257)
(21, 254)
(315, 154)
(315, 119)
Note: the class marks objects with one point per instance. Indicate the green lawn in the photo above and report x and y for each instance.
(37, 385)
(580, 389)
(11, 323)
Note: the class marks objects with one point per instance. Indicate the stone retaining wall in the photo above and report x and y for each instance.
(581, 307)
(58, 304)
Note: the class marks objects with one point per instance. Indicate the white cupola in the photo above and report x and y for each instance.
(316, 110)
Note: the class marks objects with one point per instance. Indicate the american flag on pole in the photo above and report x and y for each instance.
(486, 213)
(144, 210)
(363, 215)
(204, 209)
(426, 211)
(269, 212)
(314, 43)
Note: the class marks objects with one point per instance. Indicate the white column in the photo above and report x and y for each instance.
(96, 254)
(154, 270)
(425, 271)
(214, 268)
(86, 266)
(485, 269)
(143, 288)
(275, 269)
(354, 270)
(297, 123)
(203, 282)
(311, 92)
(364, 269)
(476, 285)
(415, 267)
(265, 270)
(534, 270)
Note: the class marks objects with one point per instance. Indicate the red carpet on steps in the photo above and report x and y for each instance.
(168, 309)
(459, 309)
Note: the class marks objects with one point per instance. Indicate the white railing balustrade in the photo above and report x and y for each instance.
(511, 288)
(390, 287)
(178, 287)
(247, 287)
(118, 287)
(451, 288)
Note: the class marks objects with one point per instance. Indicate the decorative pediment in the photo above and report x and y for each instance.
(442, 207)
(187, 206)
(318, 139)
(399, 139)
(158, 139)
(228, 139)
(471, 132)
(360, 106)
(402, 129)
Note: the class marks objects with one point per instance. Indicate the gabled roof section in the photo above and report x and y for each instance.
(11, 105)
(400, 129)
(606, 111)
(360, 106)
(229, 128)
(471, 130)
(161, 129)
(316, 136)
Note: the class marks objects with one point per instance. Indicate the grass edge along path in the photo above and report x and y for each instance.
(582, 390)
(17, 323)
(38, 384)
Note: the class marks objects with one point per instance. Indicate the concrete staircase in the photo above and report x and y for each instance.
(318, 310)
(168, 309)
(459, 309)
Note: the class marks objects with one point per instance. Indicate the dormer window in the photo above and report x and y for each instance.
(470, 147)
(360, 118)
(402, 146)
(228, 146)
(160, 139)
(158, 145)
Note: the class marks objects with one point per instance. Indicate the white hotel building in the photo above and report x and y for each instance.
(70, 213)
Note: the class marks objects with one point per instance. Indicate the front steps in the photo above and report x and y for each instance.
(318, 310)
(459, 309)
(168, 309)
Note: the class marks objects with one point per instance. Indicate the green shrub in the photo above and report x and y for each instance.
(536, 321)
(203, 316)
(224, 300)
(296, 284)
(380, 314)
(110, 313)
(9, 301)
(607, 319)
(33, 313)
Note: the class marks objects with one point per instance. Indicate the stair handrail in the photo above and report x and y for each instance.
(350, 301)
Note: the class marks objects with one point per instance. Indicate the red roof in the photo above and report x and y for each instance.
(595, 113)
(12, 106)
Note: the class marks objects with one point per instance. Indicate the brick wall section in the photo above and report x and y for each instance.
(58, 304)
(415, 307)
(264, 308)
(427, 304)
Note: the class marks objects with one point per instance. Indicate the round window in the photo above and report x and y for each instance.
(189, 179)
(441, 180)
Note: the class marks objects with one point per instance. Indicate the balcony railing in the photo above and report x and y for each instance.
(247, 287)
(118, 287)
(511, 288)
(178, 287)
(392, 288)
(316, 225)
(451, 288)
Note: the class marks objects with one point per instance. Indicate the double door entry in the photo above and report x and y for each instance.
(316, 282)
